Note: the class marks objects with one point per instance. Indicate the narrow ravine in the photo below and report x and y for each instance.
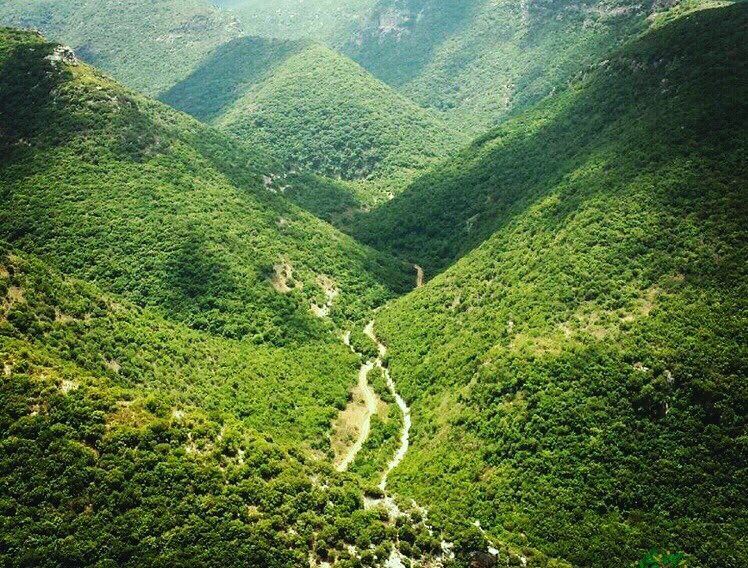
(370, 399)
(402, 450)
(396, 558)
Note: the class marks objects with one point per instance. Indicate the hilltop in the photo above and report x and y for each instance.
(576, 378)
(315, 109)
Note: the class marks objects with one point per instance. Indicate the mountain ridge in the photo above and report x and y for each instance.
(315, 109)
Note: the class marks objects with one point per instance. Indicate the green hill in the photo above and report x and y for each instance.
(145, 434)
(313, 108)
(148, 45)
(566, 389)
(576, 380)
(480, 61)
(146, 202)
(291, 393)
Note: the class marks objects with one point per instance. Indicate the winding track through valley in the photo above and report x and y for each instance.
(419, 276)
(402, 450)
(370, 399)
(396, 558)
(364, 428)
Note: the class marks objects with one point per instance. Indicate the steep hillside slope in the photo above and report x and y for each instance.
(314, 108)
(149, 45)
(292, 393)
(297, 19)
(479, 61)
(641, 109)
(144, 201)
(127, 440)
(577, 382)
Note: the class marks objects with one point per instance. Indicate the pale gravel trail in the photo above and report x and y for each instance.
(371, 408)
(407, 422)
(419, 276)
(370, 399)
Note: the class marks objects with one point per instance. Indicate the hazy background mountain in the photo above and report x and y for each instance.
(476, 61)
(479, 61)
(145, 44)
(298, 19)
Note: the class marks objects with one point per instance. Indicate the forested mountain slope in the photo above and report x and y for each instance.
(475, 61)
(315, 109)
(645, 107)
(577, 381)
(127, 436)
(144, 201)
(480, 61)
(312, 107)
(148, 45)
(116, 423)
(128, 440)
(297, 19)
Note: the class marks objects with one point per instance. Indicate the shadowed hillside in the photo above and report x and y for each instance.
(646, 107)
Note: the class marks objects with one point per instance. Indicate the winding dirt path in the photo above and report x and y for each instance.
(370, 401)
(365, 426)
(396, 558)
(402, 450)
